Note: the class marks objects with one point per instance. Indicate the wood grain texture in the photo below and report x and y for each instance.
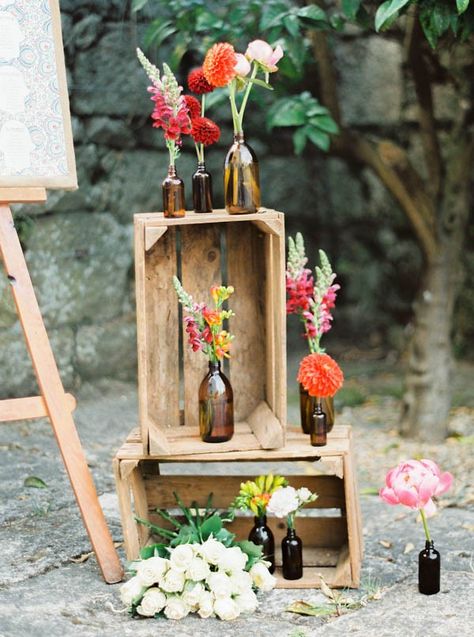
(26, 408)
(266, 427)
(200, 268)
(22, 195)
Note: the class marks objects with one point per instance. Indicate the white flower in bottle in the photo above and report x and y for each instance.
(232, 560)
(206, 605)
(220, 584)
(247, 602)
(211, 550)
(262, 578)
(283, 502)
(153, 601)
(131, 590)
(241, 582)
(181, 557)
(173, 581)
(151, 571)
(176, 608)
(225, 608)
(198, 569)
(192, 593)
(304, 495)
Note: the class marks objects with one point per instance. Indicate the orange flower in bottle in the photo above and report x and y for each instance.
(320, 375)
(219, 64)
(212, 317)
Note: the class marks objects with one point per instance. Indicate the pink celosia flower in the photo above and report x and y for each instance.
(262, 52)
(414, 483)
(242, 68)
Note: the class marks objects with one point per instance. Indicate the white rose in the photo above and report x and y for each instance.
(206, 605)
(152, 602)
(131, 590)
(247, 602)
(225, 608)
(220, 585)
(151, 571)
(241, 582)
(173, 581)
(192, 593)
(262, 578)
(198, 570)
(176, 608)
(181, 557)
(211, 550)
(304, 495)
(232, 560)
(283, 502)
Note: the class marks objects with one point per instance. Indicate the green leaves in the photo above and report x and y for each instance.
(388, 12)
(35, 483)
(153, 550)
(462, 5)
(435, 20)
(313, 120)
(138, 4)
(312, 15)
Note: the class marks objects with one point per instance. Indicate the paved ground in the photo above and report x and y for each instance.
(43, 592)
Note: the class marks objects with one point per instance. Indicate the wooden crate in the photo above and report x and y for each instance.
(330, 528)
(248, 252)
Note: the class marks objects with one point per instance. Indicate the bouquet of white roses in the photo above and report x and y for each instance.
(208, 578)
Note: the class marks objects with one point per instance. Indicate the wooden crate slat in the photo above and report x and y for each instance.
(200, 268)
(246, 272)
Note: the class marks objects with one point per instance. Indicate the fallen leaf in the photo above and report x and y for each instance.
(386, 544)
(82, 558)
(408, 548)
(468, 527)
(36, 483)
(325, 589)
(303, 608)
(369, 491)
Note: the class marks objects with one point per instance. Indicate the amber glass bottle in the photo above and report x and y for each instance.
(429, 569)
(241, 178)
(216, 406)
(318, 429)
(292, 555)
(308, 406)
(173, 194)
(262, 535)
(202, 189)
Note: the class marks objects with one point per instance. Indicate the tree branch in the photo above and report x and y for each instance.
(421, 77)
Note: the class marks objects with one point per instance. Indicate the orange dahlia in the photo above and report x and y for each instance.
(219, 64)
(320, 375)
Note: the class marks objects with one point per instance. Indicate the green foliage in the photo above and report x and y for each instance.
(35, 483)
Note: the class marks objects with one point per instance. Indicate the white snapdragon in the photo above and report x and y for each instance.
(173, 581)
(232, 560)
(176, 608)
(131, 590)
(220, 584)
(262, 578)
(212, 550)
(283, 502)
(181, 557)
(151, 571)
(247, 602)
(241, 582)
(225, 608)
(153, 601)
(198, 569)
(192, 593)
(206, 605)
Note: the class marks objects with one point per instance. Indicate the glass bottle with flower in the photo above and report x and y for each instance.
(224, 67)
(204, 133)
(254, 496)
(312, 302)
(172, 115)
(204, 329)
(286, 502)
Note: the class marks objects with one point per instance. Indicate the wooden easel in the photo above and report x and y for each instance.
(53, 402)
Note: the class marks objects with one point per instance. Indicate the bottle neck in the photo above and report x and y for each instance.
(172, 171)
(260, 520)
(291, 533)
(239, 138)
(214, 367)
(201, 166)
(429, 545)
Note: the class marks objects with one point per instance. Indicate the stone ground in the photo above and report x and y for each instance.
(47, 589)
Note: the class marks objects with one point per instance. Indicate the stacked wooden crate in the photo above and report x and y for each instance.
(248, 252)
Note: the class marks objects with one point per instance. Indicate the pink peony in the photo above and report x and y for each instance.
(414, 483)
(262, 52)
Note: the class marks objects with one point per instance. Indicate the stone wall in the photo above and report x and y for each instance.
(79, 245)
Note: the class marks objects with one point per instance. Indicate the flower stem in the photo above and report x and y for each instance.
(425, 525)
(203, 105)
(246, 97)
(233, 108)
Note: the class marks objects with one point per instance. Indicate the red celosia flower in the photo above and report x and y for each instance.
(219, 64)
(197, 82)
(194, 107)
(205, 131)
(320, 375)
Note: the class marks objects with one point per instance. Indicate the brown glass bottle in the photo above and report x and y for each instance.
(241, 178)
(262, 535)
(308, 406)
(173, 194)
(318, 430)
(202, 189)
(216, 406)
(292, 555)
(429, 570)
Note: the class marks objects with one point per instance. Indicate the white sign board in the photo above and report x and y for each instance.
(36, 147)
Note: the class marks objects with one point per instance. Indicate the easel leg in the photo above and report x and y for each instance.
(52, 390)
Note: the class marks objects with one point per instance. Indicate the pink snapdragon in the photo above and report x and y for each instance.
(299, 291)
(262, 52)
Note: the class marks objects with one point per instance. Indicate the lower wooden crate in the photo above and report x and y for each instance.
(330, 528)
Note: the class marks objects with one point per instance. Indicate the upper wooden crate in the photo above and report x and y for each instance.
(248, 252)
